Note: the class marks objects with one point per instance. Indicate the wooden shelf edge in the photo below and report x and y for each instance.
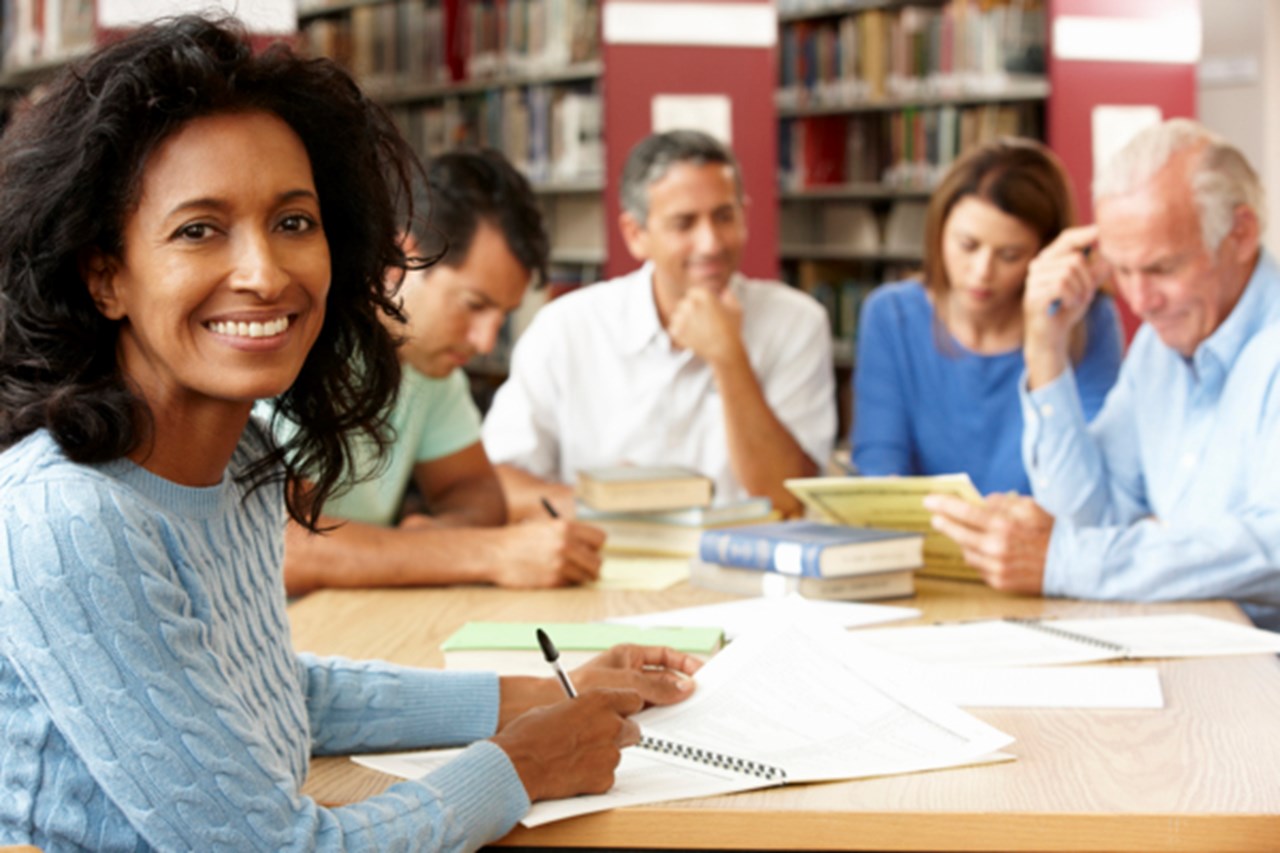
(855, 192)
(394, 91)
(1019, 89)
(799, 252)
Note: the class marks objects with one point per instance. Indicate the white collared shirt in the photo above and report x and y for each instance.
(595, 381)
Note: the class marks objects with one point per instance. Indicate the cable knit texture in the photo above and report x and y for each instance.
(150, 698)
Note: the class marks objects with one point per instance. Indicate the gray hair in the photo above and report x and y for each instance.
(1221, 178)
(653, 156)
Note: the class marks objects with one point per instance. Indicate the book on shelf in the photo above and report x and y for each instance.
(904, 227)
(852, 226)
(511, 648)
(750, 582)
(844, 714)
(638, 488)
(859, 55)
(576, 145)
(1045, 642)
(672, 532)
(892, 503)
(811, 549)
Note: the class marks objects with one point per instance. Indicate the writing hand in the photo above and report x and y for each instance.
(546, 553)
(573, 746)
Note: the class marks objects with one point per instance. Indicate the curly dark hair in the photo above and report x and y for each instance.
(470, 186)
(70, 175)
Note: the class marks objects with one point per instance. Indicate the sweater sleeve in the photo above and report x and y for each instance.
(104, 636)
(881, 439)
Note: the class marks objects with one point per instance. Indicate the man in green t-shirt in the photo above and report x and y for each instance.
(483, 215)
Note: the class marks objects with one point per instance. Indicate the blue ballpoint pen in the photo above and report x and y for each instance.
(552, 654)
(1056, 305)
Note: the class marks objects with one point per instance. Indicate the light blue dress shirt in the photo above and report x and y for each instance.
(1173, 492)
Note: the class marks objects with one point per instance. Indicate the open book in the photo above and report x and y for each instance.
(803, 704)
(894, 503)
(1030, 642)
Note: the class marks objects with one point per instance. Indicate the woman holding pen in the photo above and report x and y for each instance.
(939, 359)
(187, 227)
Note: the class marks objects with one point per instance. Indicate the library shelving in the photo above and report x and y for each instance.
(875, 99)
(521, 76)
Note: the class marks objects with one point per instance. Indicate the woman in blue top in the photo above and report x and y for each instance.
(935, 383)
(187, 227)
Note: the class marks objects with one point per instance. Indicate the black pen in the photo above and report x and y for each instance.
(551, 511)
(552, 654)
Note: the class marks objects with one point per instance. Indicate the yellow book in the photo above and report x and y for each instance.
(896, 503)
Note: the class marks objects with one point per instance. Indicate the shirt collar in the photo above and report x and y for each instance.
(640, 312)
(641, 325)
(1252, 311)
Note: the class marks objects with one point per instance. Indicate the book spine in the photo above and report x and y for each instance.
(752, 551)
(730, 549)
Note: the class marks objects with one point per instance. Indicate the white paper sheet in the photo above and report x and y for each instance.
(798, 699)
(748, 615)
(1009, 643)
(1100, 687)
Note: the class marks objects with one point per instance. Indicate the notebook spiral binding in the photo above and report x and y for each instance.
(711, 758)
(1050, 628)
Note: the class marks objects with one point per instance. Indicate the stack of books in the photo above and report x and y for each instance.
(815, 560)
(676, 532)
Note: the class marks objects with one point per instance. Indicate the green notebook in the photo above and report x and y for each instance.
(511, 648)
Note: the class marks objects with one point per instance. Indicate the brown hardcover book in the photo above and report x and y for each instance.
(638, 488)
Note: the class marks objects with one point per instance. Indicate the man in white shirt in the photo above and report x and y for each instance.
(682, 362)
(483, 219)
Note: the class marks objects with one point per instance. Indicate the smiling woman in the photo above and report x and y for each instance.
(220, 286)
(185, 228)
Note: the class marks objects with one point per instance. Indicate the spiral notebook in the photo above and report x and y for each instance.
(1037, 642)
(802, 704)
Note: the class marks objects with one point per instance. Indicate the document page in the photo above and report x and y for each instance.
(1011, 643)
(808, 699)
(1102, 687)
(992, 642)
(804, 699)
(746, 615)
(1181, 635)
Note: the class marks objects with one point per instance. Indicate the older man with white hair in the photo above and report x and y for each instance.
(1173, 492)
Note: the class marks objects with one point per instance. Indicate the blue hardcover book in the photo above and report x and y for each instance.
(812, 549)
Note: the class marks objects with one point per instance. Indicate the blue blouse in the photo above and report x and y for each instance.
(921, 410)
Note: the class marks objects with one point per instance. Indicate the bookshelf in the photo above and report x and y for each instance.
(521, 76)
(875, 99)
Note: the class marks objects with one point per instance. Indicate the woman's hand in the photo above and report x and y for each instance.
(658, 675)
(573, 746)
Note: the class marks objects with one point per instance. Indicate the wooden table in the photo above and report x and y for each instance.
(1203, 773)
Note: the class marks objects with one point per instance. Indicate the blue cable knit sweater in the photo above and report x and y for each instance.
(149, 696)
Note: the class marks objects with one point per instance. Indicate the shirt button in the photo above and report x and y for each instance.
(1046, 411)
